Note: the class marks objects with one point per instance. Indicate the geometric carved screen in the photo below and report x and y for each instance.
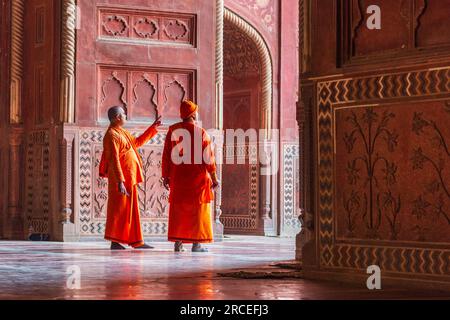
(143, 92)
(153, 198)
(384, 172)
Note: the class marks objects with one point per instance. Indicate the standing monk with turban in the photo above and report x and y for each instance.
(122, 165)
(190, 181)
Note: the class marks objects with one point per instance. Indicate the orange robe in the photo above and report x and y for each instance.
(190, 189)
(121, 162)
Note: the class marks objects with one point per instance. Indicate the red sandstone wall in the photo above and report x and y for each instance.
(146, 56)
(4, 97)
(379, 156)
(30, 202)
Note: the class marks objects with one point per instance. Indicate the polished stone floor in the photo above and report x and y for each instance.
(38, 270)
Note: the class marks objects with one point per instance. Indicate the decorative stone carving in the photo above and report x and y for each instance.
(395, 257)
(146, 28)
(38, 183)
(290, 175)
(241, 57)
(17, 37)
(119, 88)
(67, 95)
(115, 25)
(263, 9)
(176, 29)
(146, 25)
(147, 84)
(218, 141)
(93, 189)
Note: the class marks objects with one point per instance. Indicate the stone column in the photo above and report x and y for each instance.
(67, 94)
(67, 216)
(15, 219)
(267, 171)
(68, 229)
(218, 226)
(14, 222)
(305, 239)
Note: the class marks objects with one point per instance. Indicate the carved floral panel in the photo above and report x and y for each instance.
(393, 173)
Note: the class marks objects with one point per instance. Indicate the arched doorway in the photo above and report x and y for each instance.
(247, 104)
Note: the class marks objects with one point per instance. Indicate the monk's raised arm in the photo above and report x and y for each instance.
(146, 136)
(166, 157)
(111, 146)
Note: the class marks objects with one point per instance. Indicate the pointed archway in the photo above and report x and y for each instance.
(247, 104)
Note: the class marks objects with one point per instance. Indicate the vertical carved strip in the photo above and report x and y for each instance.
(265, 197)
(14, 220)
(306, 168)
(219, 63)
(218, 226)
(304, 35)
(67, 95)
(66, 178)
(18, 10)
(219, 113)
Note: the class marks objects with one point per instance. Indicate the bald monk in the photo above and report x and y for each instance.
(122, 165)
(191, 185)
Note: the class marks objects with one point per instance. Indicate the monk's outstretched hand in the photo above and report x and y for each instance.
(166, 183)
(157, 122)
(123, 190)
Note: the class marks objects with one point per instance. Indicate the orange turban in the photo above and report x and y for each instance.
(187, 109)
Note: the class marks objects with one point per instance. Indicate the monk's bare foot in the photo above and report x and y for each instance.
(145, 247)
(179, 247)
(196, 247)
(117, 246)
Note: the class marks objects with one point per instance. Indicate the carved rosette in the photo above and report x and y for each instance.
(146, 28)
(115, 25)
(176, 29)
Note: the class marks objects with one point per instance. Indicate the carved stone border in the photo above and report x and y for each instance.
(290, 224)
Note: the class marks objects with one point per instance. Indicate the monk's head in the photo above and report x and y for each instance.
(188, 110)
(117, 116)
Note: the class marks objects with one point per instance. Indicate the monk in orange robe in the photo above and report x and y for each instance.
(122, 165)
(190, 182)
